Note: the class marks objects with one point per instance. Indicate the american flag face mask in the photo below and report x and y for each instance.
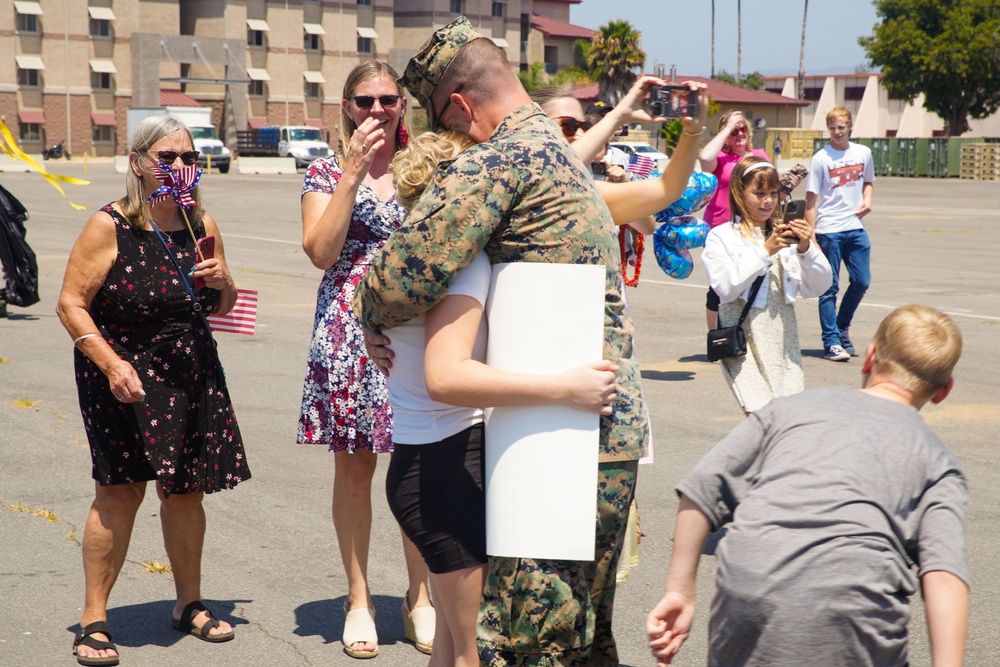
(176, 185)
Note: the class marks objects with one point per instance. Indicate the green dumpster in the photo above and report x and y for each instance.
(921, 157)
(955, 154)
(818, 143)
(903, 155)
(880, 156)
(937, 157)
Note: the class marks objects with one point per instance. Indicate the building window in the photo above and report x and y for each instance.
(255, 38)
(27, 78)
(812, 94)
(256, 89)
(776, 91)
(100, 28)
(102, 134)
(551, 59)
(311, 90)
(27, 23)
(364, 44)
(310, 42)
(364, 3)
(456, 6)
(30, 132)
(100, 80)
(498, 10)
(854, 92)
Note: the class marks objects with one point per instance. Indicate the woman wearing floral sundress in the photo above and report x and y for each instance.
(348, 210)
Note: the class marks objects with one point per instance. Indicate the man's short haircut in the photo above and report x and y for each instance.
(481, 68)
(836, 113)
(918, 347)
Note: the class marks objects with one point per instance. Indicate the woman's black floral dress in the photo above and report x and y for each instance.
(184, 434)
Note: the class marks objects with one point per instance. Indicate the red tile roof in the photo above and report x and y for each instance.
(722, 93)
(553, 28)
(175, 98)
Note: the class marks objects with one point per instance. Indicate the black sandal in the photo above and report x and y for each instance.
(184, 624)
(83, 637)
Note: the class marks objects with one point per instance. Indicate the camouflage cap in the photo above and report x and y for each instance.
(425, 69)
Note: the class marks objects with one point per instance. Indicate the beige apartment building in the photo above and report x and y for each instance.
(71, 69)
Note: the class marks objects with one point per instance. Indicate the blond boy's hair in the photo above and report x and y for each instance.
(837, 112)
(413, 167)
(918, 347)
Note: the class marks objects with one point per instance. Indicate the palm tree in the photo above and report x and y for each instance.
(614, 53)
(800, 87)
(739, 41)
(712, 76)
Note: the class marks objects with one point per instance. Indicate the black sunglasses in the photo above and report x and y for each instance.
(570, 125)
(367, 101)
(447, 103)
(168, 157)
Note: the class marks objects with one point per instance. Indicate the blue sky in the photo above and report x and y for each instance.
(680, 33)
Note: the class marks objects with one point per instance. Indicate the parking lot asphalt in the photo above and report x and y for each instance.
(271, 564)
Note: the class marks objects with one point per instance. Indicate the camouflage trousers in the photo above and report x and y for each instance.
(552, 612)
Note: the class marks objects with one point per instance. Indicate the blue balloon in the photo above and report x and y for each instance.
(684, 233)
(700, 188)
(675, 263)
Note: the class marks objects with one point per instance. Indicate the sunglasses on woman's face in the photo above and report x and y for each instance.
(570, 125)
(168, 157)
(738, 131)
(367, 101)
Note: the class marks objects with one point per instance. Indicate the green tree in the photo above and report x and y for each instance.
(949, 50)
(570, 77)
(614, 53)
(752, 81)
(581, 51)
(533, 78)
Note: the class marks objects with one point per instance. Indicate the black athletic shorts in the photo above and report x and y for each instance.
(712, 301)
(435, 491)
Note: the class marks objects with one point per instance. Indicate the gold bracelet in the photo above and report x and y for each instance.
(85, 336)
(695, 134)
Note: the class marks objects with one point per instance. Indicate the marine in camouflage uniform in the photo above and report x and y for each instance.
(523, 196)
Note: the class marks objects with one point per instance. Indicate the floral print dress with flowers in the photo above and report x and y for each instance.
(345, 403)
(184, 434)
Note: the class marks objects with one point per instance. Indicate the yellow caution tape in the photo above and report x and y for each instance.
(10, 147)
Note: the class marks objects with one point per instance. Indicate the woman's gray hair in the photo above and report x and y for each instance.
(147, 133)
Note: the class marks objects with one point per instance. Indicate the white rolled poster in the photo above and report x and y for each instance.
(541, 461)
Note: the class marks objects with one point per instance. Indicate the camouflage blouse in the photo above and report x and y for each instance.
(523, 196)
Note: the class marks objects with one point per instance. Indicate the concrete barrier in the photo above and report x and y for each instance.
(266, 165)
(10, 164)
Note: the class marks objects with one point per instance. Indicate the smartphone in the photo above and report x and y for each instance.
(794, 210)
(207, 246)
(599, 169)
(673, 101)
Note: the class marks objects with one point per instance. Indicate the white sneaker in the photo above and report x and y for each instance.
(836, 353)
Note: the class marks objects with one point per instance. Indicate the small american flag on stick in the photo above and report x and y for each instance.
(640, 165)
(242, 319)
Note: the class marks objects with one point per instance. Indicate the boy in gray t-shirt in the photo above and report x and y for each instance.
(833, 495)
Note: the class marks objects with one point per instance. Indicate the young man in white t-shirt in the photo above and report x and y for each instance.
(838, 196)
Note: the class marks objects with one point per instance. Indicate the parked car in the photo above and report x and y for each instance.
(643, 149)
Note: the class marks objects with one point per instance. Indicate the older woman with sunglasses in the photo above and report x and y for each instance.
(348, 210)
(732, 143)
(151, 388)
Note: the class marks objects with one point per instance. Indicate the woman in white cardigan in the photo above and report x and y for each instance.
(754, 244)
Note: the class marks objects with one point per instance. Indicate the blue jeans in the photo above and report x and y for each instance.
(854, 248)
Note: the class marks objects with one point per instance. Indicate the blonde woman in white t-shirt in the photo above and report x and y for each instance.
(438, 385)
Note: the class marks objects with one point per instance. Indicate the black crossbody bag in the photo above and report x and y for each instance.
(727, 342)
